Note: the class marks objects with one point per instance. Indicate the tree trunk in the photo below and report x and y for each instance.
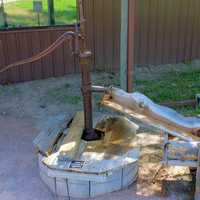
(51, 14)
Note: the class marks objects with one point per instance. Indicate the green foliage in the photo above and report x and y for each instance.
(20, 13)
(174, 86)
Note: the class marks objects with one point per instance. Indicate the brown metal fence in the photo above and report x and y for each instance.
(166, 31)
(19, 44)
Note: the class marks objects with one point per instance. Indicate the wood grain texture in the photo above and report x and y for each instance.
(143, 109)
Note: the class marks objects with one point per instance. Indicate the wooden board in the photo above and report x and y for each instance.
(54, 128)
(116, 149)
(128, 104)
(180, 150)
(71, 143)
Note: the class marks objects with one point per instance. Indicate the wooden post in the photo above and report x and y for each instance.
(165, 148)
(51, 16)
(197, 187)
(127, 45)
(123, 44)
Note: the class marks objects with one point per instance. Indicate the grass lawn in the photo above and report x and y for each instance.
(172, 86)
(20, 13)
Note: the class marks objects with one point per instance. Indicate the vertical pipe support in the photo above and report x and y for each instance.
(130, 45)
(123, 44)
(127, 44)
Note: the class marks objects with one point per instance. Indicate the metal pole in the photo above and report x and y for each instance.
(84, 61)
(123, 44)
(130, 55)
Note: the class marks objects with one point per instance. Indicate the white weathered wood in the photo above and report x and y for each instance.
(61, 187)
(69, 148)
(71, 142)
(180, 150)
(142, 108)
(113, 183)
(78, 188)
(197, 186)
(117, 148)
(182, 163)
(50, 182)
(68, 183)
(130, 174)
(109, 164)
(52, 130)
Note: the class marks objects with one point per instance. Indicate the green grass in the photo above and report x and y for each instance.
(173, 86)
(20, 13)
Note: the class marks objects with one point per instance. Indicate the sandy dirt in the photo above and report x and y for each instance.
(25, 107)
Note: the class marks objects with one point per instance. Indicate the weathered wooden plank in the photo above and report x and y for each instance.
(182, 163)
(180, 150)
(165, 147)
(143, 109)
(117, 148)
(54, 128)
(71, 143)
(197, 186)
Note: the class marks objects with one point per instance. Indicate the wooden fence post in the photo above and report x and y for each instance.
(51, 13)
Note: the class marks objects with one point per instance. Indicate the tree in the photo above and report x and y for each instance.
(3, 14)
(51, 13)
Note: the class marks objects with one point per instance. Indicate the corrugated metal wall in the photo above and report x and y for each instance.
(16, 45)
(167, 31)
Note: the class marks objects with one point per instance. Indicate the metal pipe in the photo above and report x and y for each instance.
(101, 89)
(84, 61)
(130, 57)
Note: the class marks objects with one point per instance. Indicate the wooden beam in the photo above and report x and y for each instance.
(175, 104)
(123, 44)
(51, 14)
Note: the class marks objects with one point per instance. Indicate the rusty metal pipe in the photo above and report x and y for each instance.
(84, 60)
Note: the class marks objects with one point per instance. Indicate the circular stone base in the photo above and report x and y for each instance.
(102, 167)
